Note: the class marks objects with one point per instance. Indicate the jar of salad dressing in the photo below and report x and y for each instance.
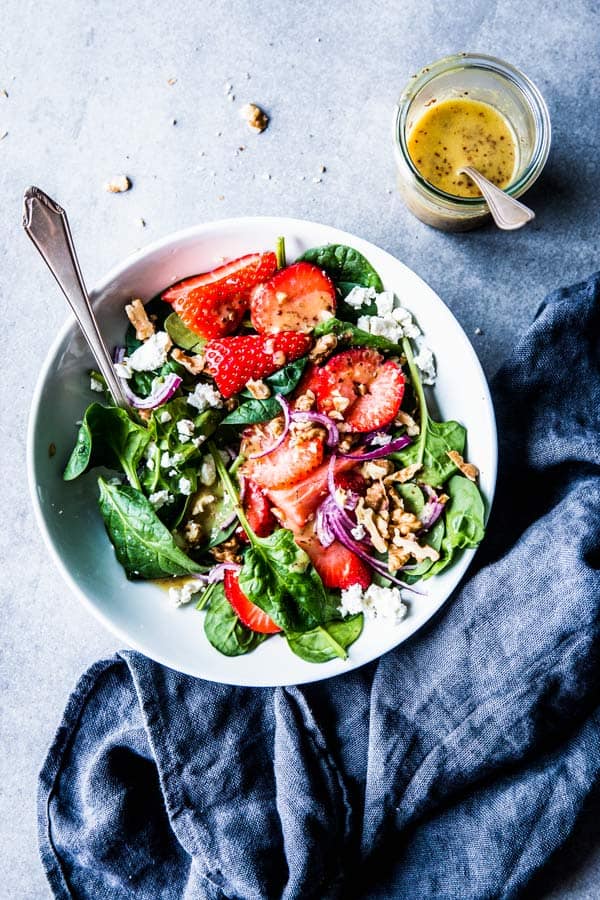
(467, 110)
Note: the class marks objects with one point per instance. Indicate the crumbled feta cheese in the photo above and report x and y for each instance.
(160, 498)
(198, 441)
(150, 464)
(380, 440)
(152, 354)
(360, 296)
(384, 303)
(376, 603)
(181, 596)
(123, 369)
(204, 396)
(185, 486)
(208, 471)
(164, 416)
(382, 326)
(177, 458)
(185, 429)
(96, 384)
(405, 320)
(165, 460)
(425, 362)
(358, 533)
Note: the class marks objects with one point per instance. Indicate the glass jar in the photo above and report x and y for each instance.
(490, 81)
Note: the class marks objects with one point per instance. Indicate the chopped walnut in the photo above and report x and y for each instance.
(407, 522)
(138, 317)
(340, 403)
(230, 404)
(377, 469)
(193, 364)
(228, 551)
(404, 474)
(337, 416)
(348, 442)
(144, 414)
(118, 184)
(376, 497)
(397, 558)
(324, 347)
(259, 389)
(305, 401)
(366, 517)
(412, 428)
(279, 359)
(201, 502)
(468, 469)
(255, 117)
(193, 533)
(410, 545)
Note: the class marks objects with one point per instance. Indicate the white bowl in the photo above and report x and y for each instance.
(140, 612)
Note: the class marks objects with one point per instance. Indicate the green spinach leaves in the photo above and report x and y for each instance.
(345, 266)
(326, 642)
(224, 629)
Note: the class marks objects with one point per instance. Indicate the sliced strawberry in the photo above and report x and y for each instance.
(372, 388)
(258, 511)
(296, 298)
(338, 566)
(297, 505)
(299, 454)
(309, 381)
(212, 304)
(249, 613)
(233, 361)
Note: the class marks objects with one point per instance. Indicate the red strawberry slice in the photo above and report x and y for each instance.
(297, 504)
(373, 388)
(299, 454)
(212, 304)
(338, 566)
(258, 511)
(296, 298)
(249, 613)
(233, 361)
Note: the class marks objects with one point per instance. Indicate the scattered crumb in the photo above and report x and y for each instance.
(4, 92)
(171, 81)
(267, 176)
(51, 450)
(241, 149)
(389, 191)
(219, 134)
(317, 180)
(203, 153)
(255, 117)
(118, 184)
(478, 331)
(318, 40)
(3, 135)
(231, 97)
(221, 197)
(228, 87)
(173, 121)
(247, 76)
(141, 222)
(322, 168)
(303, 178)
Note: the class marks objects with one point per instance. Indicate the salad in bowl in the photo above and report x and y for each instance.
(280, 466)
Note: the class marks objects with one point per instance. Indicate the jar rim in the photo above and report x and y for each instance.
(531, 95)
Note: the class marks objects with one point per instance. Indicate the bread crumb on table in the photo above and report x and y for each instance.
(256, 118)
(117, 184)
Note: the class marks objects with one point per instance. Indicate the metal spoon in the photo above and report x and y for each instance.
(507, 212)
(47, 225)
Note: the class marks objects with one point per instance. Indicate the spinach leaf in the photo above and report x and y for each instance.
(144, 546)
(434, 539)
(223, 628)
(253, 411)
(412, 497)
(464, 520)
(183, 336)
(108, 437)
(344, 265)
(327, 641)
(349, 334)
(141, 382)
(285, 380)
(439, 438)
(277, 576)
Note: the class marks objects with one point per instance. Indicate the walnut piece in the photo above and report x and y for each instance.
(376, 469)
(259, 389)
(323, 348)
(138, 317)
(404, 474)
(255, 117)
(411, 546)
(228, 551)
(366, 517)
(468, 469)
(193, 364)
(403, 418)
(305, 401)
(118, 184)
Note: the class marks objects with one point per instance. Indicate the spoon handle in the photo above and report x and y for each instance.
(507, 212)
(47, 225)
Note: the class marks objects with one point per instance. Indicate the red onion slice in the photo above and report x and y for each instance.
(158, 397)
(393, 447)
(432, 509)
(333, 435)
(282, 436)
(218, 573)
(322, 526)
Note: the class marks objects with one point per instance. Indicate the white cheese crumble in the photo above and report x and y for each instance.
(165, 460)
(123, 369)
(204, 396)
(198, 441)
(376, 603)
(164, 416)
(96, 384)
(358, 532)
(360, 296)
(208, 471)
(181, 596)
(425, 362)
(160, 498)
(185, 486)
(152, 354)
(380, 440)
(185, 429)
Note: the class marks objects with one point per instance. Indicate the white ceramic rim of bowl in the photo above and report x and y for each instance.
(286, 226)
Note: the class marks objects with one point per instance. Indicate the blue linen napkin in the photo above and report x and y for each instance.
(453, 767)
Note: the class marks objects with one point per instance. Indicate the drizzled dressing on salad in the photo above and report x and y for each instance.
(279, 466)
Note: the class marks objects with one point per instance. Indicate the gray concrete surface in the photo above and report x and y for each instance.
(89, 96)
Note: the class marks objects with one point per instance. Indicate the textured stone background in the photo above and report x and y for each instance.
(89, 97)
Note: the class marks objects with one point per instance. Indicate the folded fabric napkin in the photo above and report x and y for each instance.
(453, 767)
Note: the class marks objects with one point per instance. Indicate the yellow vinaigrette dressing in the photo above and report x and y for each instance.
(462, 132)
